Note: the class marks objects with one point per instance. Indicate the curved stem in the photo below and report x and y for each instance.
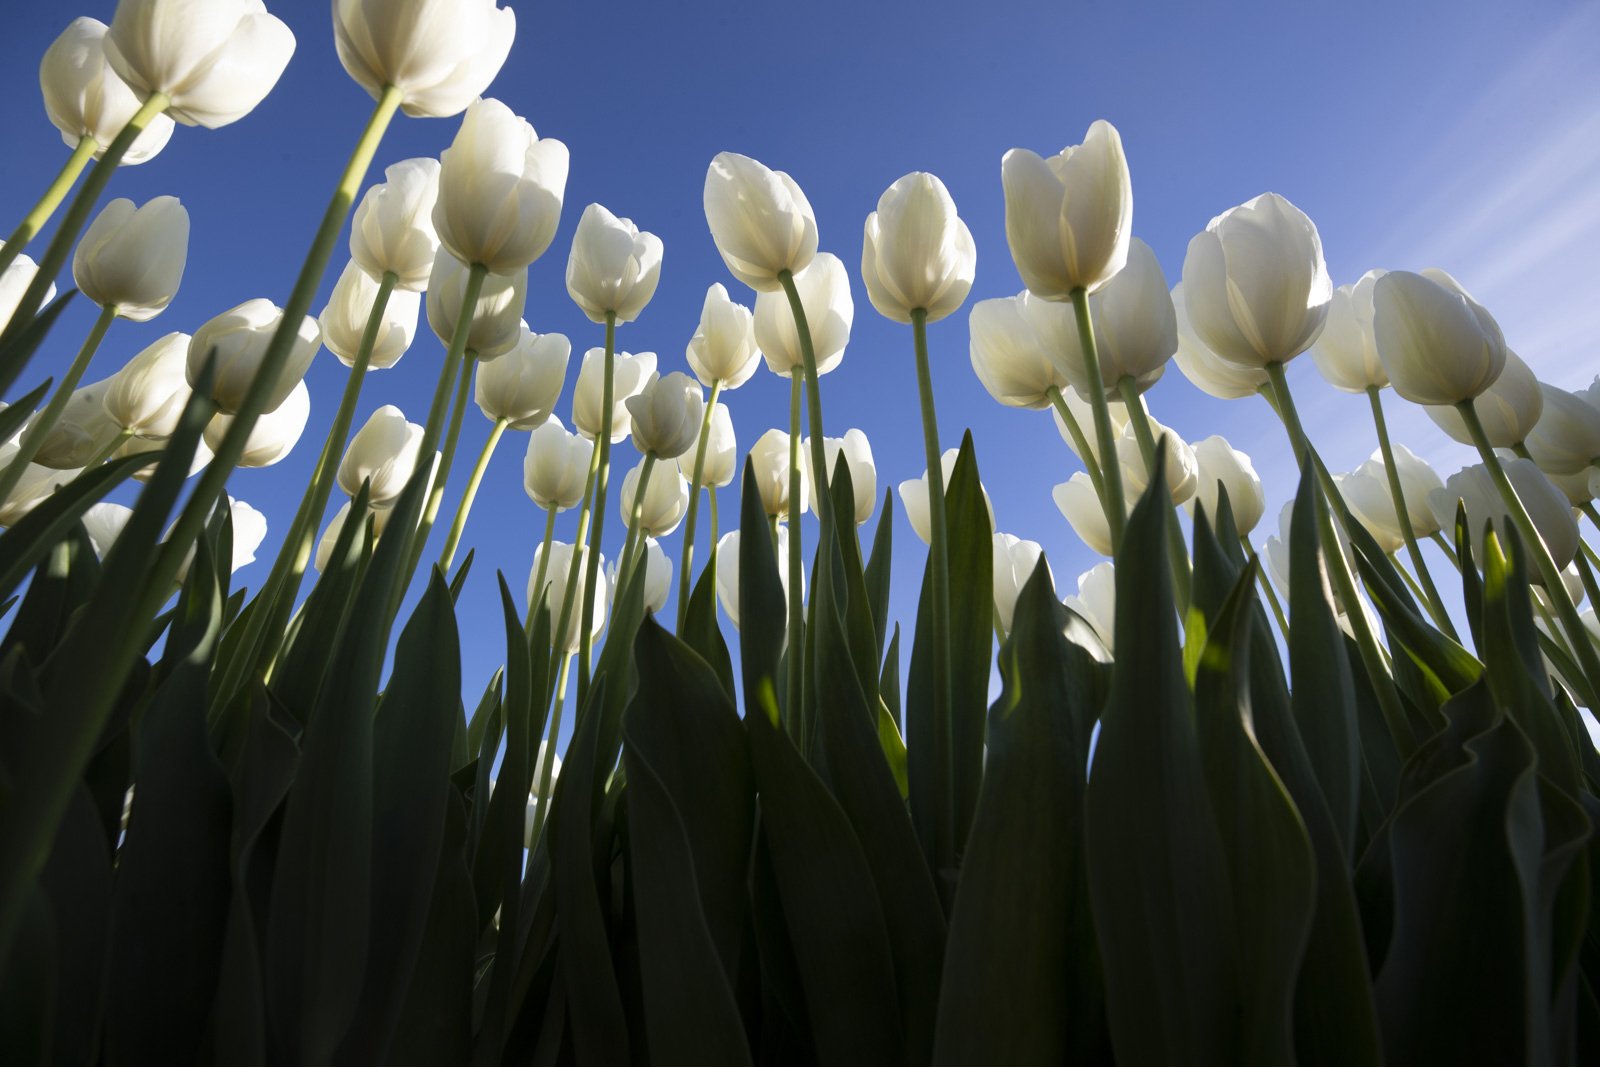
(1115, 504)
(35, 436)
(464, 508)
(1586, 575)
(602, 482)
(1079, 441)
(625, 562)
(543, 569)
(447, 458)
(1271, 593)
(547, 764)
(1594, 515)
(1448, 550)
(110, 450)
(687, 560)
(808, 357)
(1177, 553)
(34, 220)
(1429, 593)
(795, 666)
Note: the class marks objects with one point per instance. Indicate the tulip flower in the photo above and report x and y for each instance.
(1069, 218)
(344, 320)
(761, 222)
(104, 524)
(1014, 359)
(630, 373)
(1566, 439)
(385, 452)
(1080, 505)
(1206, 370)
(146, 397)
(1135, 328)
(1014, 561)
(917, 254)
(770, 458)
(130, 260)
(728, 572)
(1437, 344)
(240, 337)
(1096, 602)
(497, 321)
(84, 97)
(824, 288)
(249, 530)
(1346, 351)
(1182, 468)
(500, 190)
(214, 60)
(392, 232)
(1546, 506)
(275, 433)
(665, 500)
(857, 450)
(1590, 394)
(613, 268)
(14, 282)
(1376, 511)
(723, 348)
(666, 415)
(521, 387)
(1509, 409)
(1221, 466)
(82, 431)
(330, 537)
(556, 577)
(440, 54)
(135, 446)
(556, 467)
(657, 576)
(722, 453)
(914, 497)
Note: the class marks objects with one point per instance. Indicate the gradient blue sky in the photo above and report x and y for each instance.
(1465, 136)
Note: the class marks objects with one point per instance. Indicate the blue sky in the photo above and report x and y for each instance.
(1465, 136)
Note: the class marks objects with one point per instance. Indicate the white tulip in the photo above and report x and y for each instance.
(497, 322)
(761, 222)
(523, 385)
(440, 54)
(14, 282)
(666, 499)
(914, 497)
(1366, 492)
(1589, 394)
(555, 470)
(330, 536)
(613, 267)
(916, 253)
(131, 259)
(1566, 439)
(1012, 359)
(1221, 466)
(240, 337)
(1080, 505)
(1546, 505)
(385, 450)
(1096, 602)
(1182, 468)
(857, 450)
(728, 573)
(500, 190)
(666, 415)
(82, 432)
(136, 446)
(824, 288)
(722, 452)
(146, 397)
(275, 433)
(84, 97)
(1437, 344)
(1135, 327)
(770, 458)
(1347, 351)
(1069, 217)
(723, 348)
(1207, 371)
(392, 232)
(1509, 409)
(1576, 487)
(555, 591)
(630, 373)
(657, 576)
(104, 524)
(214, 59)
(249, 530)
(344, 320)
(1014, 562)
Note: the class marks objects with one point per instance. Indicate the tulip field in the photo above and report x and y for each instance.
(1248, 794)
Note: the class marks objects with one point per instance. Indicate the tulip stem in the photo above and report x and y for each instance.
(1112, 500)
(772, 528)
(1594, 517)
(1555, 590)
(441, 474)
(1449, 552)
(795, 667)
(34, 220)
(464, 508)
(1079, 441)
(808, 357)
(711, 495)
(1586, 576)
(602, 482)
(544, 563)
(110, 450)
(635, 516)
(694, 504)
(1266, 587)
(34, 438)
(547, 764)
(1177, 554)
(1429, 593)
(1590, 553)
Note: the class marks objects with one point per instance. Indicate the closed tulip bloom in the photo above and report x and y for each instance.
(1255, 282)
(857, 451)
(1008, 353)
(104, 524)
(666, 499)
(14, 282)
(392, 231)
(914, 497)
(1566, 439)
(275, 433)
(657, 576)
(1069, 218)
(728, 573)
(496, 324)
(630, 373)
(1371, 502)
(1437, 344)
(824, 289)
(330, 537)
(1579, 488)
(1182, 469)
(1589, 394)
(136, 446)
(1546, 505)
(240, 337)
(770, 458)
(555, 592)
(1346, 352)
(1135, 326)
(916, 253)
(722, 452)
(131, 259)
(555, 470)
(1221, 466)
(1014, 561)
(344, 320)
(1207, 371)
(84, 97)
(723, 348)
(1084, 415)
(1080, 505)
(1509, 409)
(440, 54)
(83, 431)
(761, 222)
(1096, 602)
(383, 451)
(614, 266)
(146, 397)
(666, 415)
(214, 59)
(500, 190)
(523, 385)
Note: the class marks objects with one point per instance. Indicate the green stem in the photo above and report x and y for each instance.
(632, 540)
(1411, 582)
(1429, 593)
(808, 357)
(441, 475)
(1115, 503)
(544, 564)
(795, 667)
(602, 483)
(711, 493)
(1177, 554)
(1594, 517)
(1271, 593)
(1590, 553)
(1448, 550)
(34, 220)
(110, 450)
(1586, 575)
(34, 439)
(1070, 421)
(687, 561)
(772, 527)
(464, 508)
(547, 764)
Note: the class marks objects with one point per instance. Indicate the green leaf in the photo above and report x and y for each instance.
(435, 1026)
(14, 416)
(26, 543)
(763, 612)
(700, 631)
(63, 583)
(459, 582)
(18, 343)
(889, 685)
(879, 564)
(1446, 667)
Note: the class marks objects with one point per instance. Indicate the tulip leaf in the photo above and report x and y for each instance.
(18, 343)
(1445, 666)
(700, 631)
(63, 582)
(26, 543)
(889, 688)
(763, 612)
(15, 415)
(879, 563)
(459, 580)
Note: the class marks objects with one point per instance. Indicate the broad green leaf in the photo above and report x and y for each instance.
(700, 631)
(18, 343)
(64, 582)
(435, 1025)
(878, 569)
(26, 543)
(15, 415)
(763, 614)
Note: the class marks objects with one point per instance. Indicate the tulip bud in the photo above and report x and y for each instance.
(666, 415)
(330, 537)
(384, 451)
(1366, 492)
(1566, 439)
(523, 385)
(1255, 282)
(136, 446)
(1221, 466)
(1084, 415)
(1545, 504)
(82, 432)
(1347, 351)
(84, 97)
(1096, 602)
(1011, 357)
(722, 452)
(1069, 217)
(555, 591)
(344, 320)
(497, 323)
(614, 266)
(14, 282)
(131, 259)
(104, 524)
(249, 530)
(914, 497)
(1207, 371)
(723, 348)
(824, 289)
(275, 433)
(440, 54)
(555, 470)
(728, 573)
(1135, 327)
(666, 499)
(657, 576)
(1437, 344)
(1080, 505)
(1182, 469)
(917, 254)
(857, 450)
(1014, 562)
(770, 458)
(240, 337)
(630, 373)
(392, 232)
(761, 222)
(215, 60)
(500, 190)
(1509, 409)
(146, 397)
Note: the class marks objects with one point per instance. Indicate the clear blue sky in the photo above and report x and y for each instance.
(1460, 135)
